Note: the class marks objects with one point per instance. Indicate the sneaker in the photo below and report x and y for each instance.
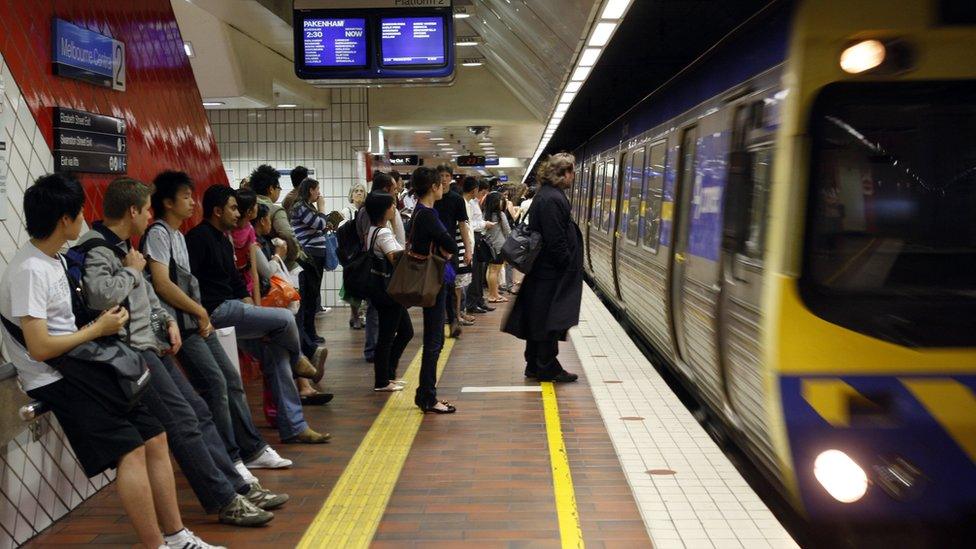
(265, 499)
(308, 436)
(186, 539)
(268, 459)
(318, 359)
(242, 512)
(245, 474)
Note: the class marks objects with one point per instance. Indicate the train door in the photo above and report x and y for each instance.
(679, 246)
(743, 245)
(620, 181)
(592, 211)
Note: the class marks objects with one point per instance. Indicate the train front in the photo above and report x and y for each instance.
(874, 339)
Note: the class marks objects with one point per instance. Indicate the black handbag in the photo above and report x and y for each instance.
(522, 247)
(356, 274)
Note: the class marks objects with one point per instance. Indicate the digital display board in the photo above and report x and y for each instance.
(412, 41)
(335, 42)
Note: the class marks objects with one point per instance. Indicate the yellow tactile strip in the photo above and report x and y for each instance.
(352, 513)
(570, 531)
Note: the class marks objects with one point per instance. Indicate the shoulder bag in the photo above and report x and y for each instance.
(522, 247)
(417, 278)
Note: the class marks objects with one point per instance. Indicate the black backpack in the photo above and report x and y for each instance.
(350, 241)
(75, 270)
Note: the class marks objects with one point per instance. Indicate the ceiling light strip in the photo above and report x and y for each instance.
(601, 32)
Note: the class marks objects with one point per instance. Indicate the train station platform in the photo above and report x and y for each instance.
(614, 460)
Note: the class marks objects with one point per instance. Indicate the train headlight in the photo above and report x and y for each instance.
(841, 476)
(863, 56)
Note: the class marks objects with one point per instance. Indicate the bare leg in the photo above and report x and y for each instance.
(305, 387)
(459, 297)
(163, 486)
(136, 495)
(493, 281)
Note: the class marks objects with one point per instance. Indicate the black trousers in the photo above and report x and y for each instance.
(426, 395)
(541, 358)
(309, 286)
(475, 294)
(450, 302)
(395, 332)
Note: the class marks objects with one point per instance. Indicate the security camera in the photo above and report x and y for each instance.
(479, 130)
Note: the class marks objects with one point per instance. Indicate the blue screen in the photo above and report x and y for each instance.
(335, 42)
(412, 40)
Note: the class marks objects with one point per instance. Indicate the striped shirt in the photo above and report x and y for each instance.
(309, 226)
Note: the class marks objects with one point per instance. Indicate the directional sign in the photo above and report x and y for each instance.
(89, 142)
(404, 159)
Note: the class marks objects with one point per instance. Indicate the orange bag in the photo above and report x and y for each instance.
(282, 294)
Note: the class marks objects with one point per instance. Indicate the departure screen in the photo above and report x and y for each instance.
(412, 41)
(335, 42)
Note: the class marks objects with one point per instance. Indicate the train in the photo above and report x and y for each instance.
(790, 223)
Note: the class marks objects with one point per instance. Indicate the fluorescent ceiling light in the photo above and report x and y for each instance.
(589, 57)
(574, 86)
(580, 74)
(287, 106)
(468, 43)
(472, 64)
(188, 48)
(421, 131)
(212, 103)
(601, 34)
(436, 139)
(615, 9)
(462, 15)
(561, 108)
(567, 97)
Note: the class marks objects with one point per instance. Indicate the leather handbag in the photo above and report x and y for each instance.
(522, 247)
(417, 279)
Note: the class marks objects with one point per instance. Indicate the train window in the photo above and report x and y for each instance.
(650, 230)
(597, 185)
(635, 176)
(581, 195)
(609, 195)
(760, 170)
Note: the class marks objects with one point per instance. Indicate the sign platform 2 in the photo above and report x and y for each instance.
(89, 142)
(87, 55)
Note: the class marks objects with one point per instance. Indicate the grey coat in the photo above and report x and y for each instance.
(107, 283)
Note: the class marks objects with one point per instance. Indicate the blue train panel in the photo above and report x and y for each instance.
(900, 427)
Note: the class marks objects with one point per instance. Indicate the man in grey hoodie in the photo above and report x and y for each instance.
(113, 275)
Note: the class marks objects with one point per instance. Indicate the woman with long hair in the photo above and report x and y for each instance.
(309, 225)
(495, 235)
(428, 235)
(548, 304)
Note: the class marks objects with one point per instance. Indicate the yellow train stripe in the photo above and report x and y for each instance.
(354, 508)
(953, 405)
(832, 399)
(570, 531)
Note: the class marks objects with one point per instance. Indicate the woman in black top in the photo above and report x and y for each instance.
(428, 235)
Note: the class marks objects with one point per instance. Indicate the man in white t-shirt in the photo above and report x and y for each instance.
(39, 328)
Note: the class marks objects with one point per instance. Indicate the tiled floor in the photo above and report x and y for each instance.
(695, 497)
(482, 477)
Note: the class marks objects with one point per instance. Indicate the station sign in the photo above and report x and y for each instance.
(363, 42)
(404, 159)
(470, 160)
(491, 161)
(89, 142)
(87, 55)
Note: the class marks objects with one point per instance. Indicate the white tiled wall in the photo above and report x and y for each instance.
(39, 481)
(323, 140)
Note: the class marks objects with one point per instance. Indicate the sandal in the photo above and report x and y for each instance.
(450, 409)
(498, 300)
(390, 388)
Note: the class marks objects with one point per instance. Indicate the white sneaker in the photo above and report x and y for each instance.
(269, 459)
(247, 475)
(186, 539)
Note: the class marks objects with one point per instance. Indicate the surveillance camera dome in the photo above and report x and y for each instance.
(479, 130)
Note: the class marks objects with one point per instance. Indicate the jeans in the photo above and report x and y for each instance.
(395, 332)
(271, 335)
(213, 374)
(426, 396)
(509, 275)
(372, 331)
(541, 358)
(192, 436)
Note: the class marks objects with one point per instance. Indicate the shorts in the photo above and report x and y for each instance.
(463, 280)
(99, 434)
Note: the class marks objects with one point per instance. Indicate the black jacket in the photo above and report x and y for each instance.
(212, 262)
(548, 303)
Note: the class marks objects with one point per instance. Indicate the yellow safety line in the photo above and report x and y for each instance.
(352, 513)
(570, 531)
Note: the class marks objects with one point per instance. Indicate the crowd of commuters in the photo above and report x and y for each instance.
(164, 300)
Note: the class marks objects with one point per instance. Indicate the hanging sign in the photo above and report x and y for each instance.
(87, 55)
(404, 159)
(89, 142)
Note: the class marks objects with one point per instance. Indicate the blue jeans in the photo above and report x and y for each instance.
(433, 343)
(271, 335)
(372, 331)
(213, 374)
(194, 440)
